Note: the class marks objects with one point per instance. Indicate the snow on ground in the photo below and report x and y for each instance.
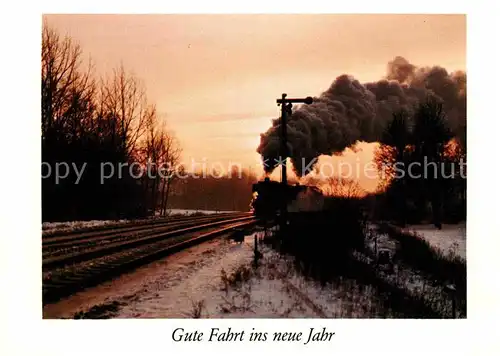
(400, 275)
(175, 286)
(217, 280)
(138, 291)
(377, 241)
(405, 277)
(451, 238)
(344, 298)
(197, 211)
(67, 226)
(191, 284)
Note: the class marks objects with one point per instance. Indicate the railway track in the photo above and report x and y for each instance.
(122, 226)
(67, 273)
(69, 244)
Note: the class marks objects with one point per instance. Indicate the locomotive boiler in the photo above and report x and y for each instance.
(269, 197)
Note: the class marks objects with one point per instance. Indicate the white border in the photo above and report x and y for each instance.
(23, 330)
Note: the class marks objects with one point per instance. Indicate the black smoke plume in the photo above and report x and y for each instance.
(350, 111)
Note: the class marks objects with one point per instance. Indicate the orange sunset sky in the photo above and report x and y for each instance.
(216, 78)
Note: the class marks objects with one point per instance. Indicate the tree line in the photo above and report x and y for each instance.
(422, 171)
(231, 191)
(423, 168)
(88, 121)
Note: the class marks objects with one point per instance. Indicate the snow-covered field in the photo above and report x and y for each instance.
(403, 276)
(451, 238)
(217, 280)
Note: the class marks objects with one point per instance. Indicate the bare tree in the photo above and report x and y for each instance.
(161, 155)
(67, 89)
(94, 122)
(171, 159)
(342, 187)
(124, 98)
(336, 186)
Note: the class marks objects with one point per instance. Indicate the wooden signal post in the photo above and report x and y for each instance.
(286, 109)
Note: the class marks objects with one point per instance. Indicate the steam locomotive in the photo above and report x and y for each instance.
(269, 197)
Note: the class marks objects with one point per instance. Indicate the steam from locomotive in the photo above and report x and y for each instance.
(350, 111)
